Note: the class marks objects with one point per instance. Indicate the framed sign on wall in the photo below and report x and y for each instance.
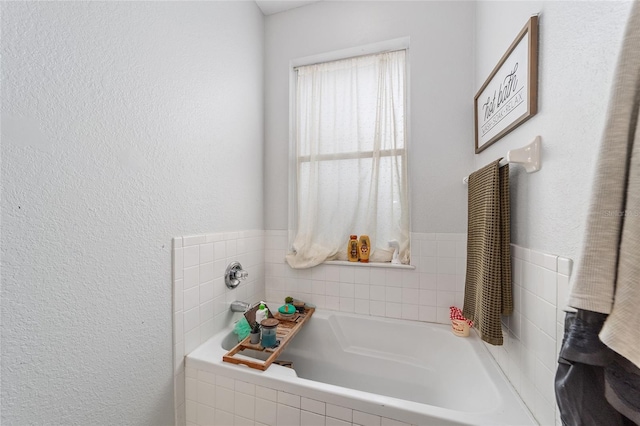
(509, 96)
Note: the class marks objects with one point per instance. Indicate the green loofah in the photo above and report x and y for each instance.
(242, 329)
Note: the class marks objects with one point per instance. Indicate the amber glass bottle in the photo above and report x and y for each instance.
(352, 248)
(364, 248)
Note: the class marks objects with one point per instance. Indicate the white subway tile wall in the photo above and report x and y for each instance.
(423, 293)
(222, 401)
(533, 333)
(201, 304)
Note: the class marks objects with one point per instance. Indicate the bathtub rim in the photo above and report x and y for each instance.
(208, 357)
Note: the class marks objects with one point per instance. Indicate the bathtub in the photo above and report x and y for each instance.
(353, 369)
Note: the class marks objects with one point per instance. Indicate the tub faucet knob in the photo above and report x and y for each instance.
(234, 274)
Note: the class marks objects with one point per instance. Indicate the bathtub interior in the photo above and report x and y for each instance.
(417, 362)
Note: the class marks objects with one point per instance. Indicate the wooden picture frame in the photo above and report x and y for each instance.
(509, 96)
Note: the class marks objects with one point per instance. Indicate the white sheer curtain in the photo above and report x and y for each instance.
(351, 158)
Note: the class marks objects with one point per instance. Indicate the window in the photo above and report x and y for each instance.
(351, 158)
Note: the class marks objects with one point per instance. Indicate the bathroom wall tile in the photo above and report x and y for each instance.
(428, 265)
(178, 296)
(191, 256)
(288, 399)
(177, 242)
(347, 289)
(191, 277)
(563, 291)
(332, 288)
(442, 315)
(377, 276)
(206, 253)
(191, 408)
(362, 275)
(445, 299)
(191, 240)
(206, 292)
(178, 327)
(206, 377)
(287, 416)
(392, 422)
(347, 304)
(428, 249)
(225, 398)
(410, 279)
(244, 405)
(331, 421)
(393, 294)
(428, 313)
(241, 421)
(191, 372)
(206, 394)
(393, 278)
(310, 419)
(427, 298)
(244, 387)
(410, 312)
(338, 412)
(312, 405)
(332, 303)
(565, 266)
(446, 266)
(207, 330)
(192, 318)
(447, 282)
(361, 291)
(191, 389)
(377, 292)
(393, 310)
(191, 298)
(178, 262)
(347, 275)
(332, 273)
(410, 296)
(365, 419)
(548, 290)
(428, 281)
(266, 393)
(446, 249)
(225, 382)
(207, 272)
(223, 417)
(377, 308)
(265, 411)
(181, 416)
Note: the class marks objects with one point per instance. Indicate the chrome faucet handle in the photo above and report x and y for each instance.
(234, 274)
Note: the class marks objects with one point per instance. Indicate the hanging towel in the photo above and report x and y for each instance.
(487, 292)
(606, 284)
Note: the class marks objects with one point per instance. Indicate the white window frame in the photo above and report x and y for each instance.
(401, 43)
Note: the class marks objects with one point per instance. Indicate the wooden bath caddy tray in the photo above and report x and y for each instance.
(285, 332)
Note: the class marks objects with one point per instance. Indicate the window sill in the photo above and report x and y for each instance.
(372, 264)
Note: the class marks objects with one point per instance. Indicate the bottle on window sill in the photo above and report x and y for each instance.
(352, 248)
(364, 248)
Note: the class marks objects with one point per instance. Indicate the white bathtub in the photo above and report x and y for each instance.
(356, 370)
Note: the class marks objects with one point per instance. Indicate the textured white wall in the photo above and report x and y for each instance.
(123, 124)
(441, 95)
(579, 43)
